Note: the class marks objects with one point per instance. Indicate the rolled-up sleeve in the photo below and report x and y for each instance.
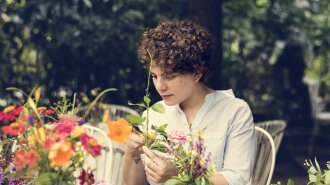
(240, 147)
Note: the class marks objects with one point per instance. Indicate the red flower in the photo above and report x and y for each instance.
(9, 113)
(14, 129)
(22, 158)
(86, 178)
(90, 144)
(31, 158)
(19, 159)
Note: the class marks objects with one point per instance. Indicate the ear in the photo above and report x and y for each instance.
(197, 77)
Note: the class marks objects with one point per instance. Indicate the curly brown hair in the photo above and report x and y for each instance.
(180, 46)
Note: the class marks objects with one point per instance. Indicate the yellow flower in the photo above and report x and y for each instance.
(9, 109)
(106, 118)
(60, 153)
(212, 168)
(37, 93)
(77, 131)
(119, 130)
(39, 135)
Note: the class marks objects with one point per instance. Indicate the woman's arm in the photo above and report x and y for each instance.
(218, 179)
(133, 172)
(133, 169)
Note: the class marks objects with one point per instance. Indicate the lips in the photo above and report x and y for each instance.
(165, 97)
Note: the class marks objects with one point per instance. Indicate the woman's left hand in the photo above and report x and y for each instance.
(158, 168)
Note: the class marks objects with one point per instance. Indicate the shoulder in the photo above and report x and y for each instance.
(227, 100)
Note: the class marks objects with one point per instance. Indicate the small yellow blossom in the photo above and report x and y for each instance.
(9, 109)
(77, 131)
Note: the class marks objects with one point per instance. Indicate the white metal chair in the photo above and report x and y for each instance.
(116, 112)
(103, 163)
(275, 128)
(265, 158)
(319, 116)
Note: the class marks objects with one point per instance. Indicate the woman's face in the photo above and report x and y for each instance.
(174, 88)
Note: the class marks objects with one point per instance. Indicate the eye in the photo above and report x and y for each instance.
(170, 77)
(153, 76)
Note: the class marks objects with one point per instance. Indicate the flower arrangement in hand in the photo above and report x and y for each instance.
(50, 142)
(190, 158)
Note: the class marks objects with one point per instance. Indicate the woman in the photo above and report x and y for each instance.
(181, 51)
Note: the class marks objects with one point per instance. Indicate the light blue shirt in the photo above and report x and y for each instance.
(229, 129)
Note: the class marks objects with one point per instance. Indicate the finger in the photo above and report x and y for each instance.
(158, 159)
(136, 137)
(152, 175)
(150, 170)
(152, 155)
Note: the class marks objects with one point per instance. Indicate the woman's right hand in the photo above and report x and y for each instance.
(134, 145)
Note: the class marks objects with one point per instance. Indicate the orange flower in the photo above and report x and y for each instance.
(31, 158)
(119, 130)
(19, 160)
(23, 158)
(60, 153)
(9, 109)
(14, 129)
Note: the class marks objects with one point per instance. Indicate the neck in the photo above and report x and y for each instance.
(196, 99)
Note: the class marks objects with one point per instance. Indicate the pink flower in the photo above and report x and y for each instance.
(90, 144)
(55, 138)
(9, 113)
(178, 136)
(65, 127)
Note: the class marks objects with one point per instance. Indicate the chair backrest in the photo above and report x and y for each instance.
(265, 158)
(117, 165)
(275, 128)
(314, 96)
(103, 163)
(116, 112)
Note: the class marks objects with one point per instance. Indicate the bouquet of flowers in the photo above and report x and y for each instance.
(193, 163)
(50, 143)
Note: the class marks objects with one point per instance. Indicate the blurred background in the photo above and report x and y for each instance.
(274, 54)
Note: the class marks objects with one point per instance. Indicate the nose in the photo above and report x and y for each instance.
(160, 85)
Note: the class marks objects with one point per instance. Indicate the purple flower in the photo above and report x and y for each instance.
(14, 181)
(2, 177)
(31, 120)
(12, 168)
(81, 121)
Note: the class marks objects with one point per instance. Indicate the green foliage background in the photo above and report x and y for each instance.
(78, 45)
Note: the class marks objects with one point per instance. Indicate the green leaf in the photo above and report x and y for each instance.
(46, 179)
(185, 178)
(137, 104)
(173, 181)
(147, 100)
(317, 165)
(159, 147)
(312, 170)
(327, 177)
(290, 182)
(135, 120)
(158, 107)
(312, 178)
